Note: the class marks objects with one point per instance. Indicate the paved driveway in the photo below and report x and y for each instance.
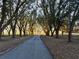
(30, 49)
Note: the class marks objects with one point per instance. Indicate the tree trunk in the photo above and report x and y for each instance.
(9, 33)
(0, 35)
(52, 34)
(13, 33)
(24, 32)
(69, 36)
(20, 31)
(57, 33)
(13, 29)
(70, 32)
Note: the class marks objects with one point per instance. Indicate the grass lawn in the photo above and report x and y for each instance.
(61, 49)
(10, 43)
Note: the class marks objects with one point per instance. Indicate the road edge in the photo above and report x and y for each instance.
(47, 47)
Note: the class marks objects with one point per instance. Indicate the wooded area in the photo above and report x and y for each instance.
(52, 15)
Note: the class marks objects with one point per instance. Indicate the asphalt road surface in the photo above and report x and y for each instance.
(30, 49)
